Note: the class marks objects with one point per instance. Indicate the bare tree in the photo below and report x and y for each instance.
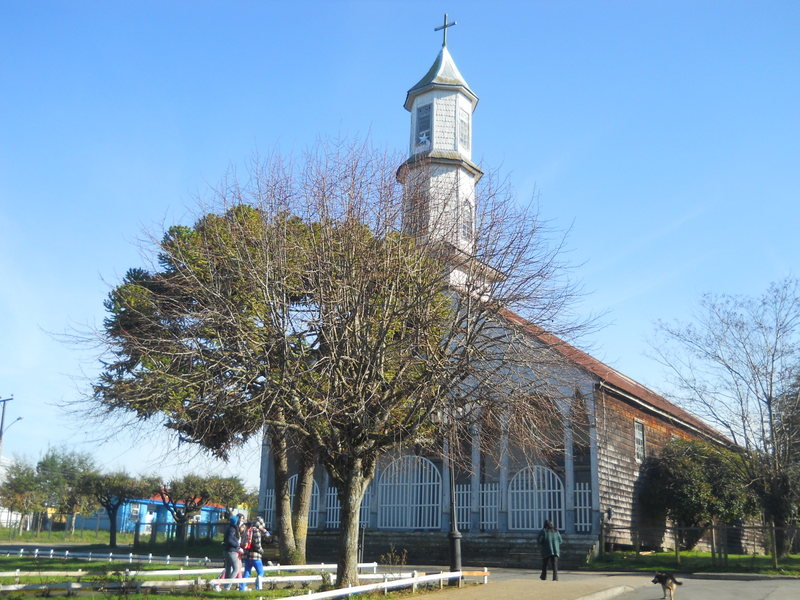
(113, 490)
(186, 496)
(299, 302)
(737, 365)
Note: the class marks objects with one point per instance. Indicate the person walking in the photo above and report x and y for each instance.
(232, 545)
(550, 543)
(254, 540)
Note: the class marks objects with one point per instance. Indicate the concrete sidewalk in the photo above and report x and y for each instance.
(519, 584)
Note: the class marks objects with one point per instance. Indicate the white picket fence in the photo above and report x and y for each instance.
(193, 577)
(109, 556)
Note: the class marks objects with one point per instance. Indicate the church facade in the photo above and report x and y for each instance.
(503, 498)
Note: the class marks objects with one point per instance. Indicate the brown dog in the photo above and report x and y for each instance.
(668, 582)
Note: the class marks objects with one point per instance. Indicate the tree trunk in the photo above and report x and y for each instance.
(180, 530)
(351, 493)
(302, 503)
(112, 525)
(283, 508)
(72, 520)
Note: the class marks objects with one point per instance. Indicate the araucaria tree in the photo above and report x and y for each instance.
(301, 304)
(737, 366)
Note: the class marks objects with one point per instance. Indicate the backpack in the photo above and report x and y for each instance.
(248, 544)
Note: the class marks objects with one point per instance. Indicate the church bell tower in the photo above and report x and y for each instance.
(439, 176)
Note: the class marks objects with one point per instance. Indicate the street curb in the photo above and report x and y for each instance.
(607, 593)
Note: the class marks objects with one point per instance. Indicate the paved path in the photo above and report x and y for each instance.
(524, 584)
(597, 587)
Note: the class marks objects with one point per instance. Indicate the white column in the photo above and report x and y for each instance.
(569, 479)
(591, 403)
(265, 473)
(502, 513)
(445, 498)
(475, 480)
(325, 482)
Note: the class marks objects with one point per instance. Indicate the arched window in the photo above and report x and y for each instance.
(333, 508)
(535, 494)
(313, 511)
(410, 494)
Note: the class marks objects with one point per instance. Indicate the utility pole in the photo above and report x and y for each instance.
(3, 427)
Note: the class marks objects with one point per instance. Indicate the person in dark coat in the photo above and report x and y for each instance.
(550, 543)
(232, 545)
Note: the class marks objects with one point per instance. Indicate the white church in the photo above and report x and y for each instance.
(500, 502)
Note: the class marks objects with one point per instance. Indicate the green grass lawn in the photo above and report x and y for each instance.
(194, 548)
(102, 571)
(694, 562)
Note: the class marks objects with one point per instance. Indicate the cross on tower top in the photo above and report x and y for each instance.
(443, 29)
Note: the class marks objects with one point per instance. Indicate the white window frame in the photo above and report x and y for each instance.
(639, 440)
(466, 220)
(410, 494)
(535, 493)
(419, 131)
(463, 128)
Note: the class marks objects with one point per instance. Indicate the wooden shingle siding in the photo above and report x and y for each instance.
(619, 471)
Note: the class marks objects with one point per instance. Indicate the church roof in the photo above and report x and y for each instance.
(613, 380)
(443, 74)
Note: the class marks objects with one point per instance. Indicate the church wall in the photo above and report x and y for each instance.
(443, 212)
(478, 549)
(444, 132)
(619, 470)
(445, 124)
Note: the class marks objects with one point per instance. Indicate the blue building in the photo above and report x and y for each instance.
(145, 513)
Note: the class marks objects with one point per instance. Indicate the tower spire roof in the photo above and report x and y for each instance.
(443, 74)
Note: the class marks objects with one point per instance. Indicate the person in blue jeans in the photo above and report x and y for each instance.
(253, 543)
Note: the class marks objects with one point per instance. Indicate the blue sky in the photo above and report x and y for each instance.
(665, 134)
